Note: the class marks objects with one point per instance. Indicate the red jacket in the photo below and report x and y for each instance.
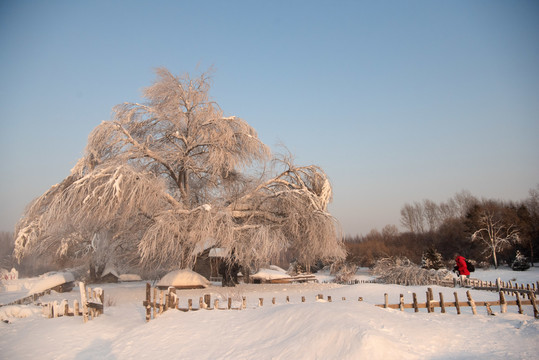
(461, 264)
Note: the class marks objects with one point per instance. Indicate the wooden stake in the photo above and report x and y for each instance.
(216, 304)
(503, 303)
(457, 305)
(229, 303)
(489, 310)
(401, 302)
(534, 304)
(329, 298)
(442, 305)
(260, 301)
(83, 302)
(244, 302)
(428, 302)
(414, 296)
(273, 301)
(76, 307)
(190, 304)
(386, 300)
(303, 299)
(471, 302)
(519, 304)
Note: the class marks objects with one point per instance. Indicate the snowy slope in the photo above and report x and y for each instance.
(348, 329)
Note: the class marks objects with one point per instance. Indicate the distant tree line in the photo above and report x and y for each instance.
(485, 230)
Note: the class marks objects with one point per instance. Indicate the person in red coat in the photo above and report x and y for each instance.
(461, 266)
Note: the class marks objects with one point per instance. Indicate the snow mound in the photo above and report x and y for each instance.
(48, 281)
(183, 277)
(270, 274)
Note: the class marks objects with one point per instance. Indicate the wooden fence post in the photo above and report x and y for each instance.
(519, 304)
(329, 298)
(401, 302)
(457, 305)
(471, 302)
(229, 303)
(207, 301)
(503, 303)
(260, 301)
(83, 301)
(386, 300)
(148, 301)
(442, 305)
(416, 308)
(428, 302)
(190, 304)
(244, 302)
(154, 304)
(534, 304)
(76, 307)
(431, 298)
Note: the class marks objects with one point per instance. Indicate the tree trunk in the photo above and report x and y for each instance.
(495, 259)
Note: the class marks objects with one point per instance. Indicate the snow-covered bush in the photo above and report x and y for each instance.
(520, 263)
(343, 272)
(402, 271)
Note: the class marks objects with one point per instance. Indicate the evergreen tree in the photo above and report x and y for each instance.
(520, 263)
(432, 259)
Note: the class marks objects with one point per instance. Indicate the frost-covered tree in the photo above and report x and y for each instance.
(169, 177)
(494, 234)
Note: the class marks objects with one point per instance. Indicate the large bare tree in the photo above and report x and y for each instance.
(167, 178)
(494, 234)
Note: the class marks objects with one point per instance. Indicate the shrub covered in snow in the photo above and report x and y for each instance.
(395, 270)
(343, 272)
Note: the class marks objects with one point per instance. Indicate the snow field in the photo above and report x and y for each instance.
(348, 329)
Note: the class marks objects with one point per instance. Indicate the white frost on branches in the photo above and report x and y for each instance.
(161, 178)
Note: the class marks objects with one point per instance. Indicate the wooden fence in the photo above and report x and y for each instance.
(430, 304)
(164, 300)
(507, 287)
(92, 304)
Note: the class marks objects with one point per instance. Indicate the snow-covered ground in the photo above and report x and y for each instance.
(341, 329)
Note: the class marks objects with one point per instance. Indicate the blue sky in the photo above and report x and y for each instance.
(398, 101)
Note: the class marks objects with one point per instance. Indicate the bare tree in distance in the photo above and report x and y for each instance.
(167, 178)
(424, 216)
(494, 234)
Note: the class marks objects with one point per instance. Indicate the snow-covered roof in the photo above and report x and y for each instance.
(270, 274)
(109, 269)
(129, 277)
